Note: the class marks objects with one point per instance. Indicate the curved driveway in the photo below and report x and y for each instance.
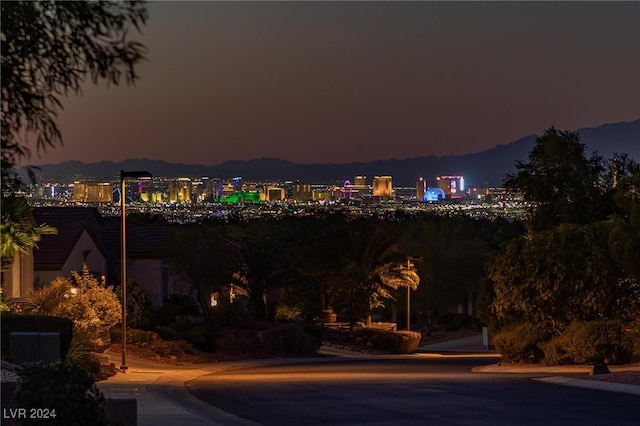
(412, 390)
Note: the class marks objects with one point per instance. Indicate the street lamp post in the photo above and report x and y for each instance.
(123, 256)
(408, 299)
(409, 259)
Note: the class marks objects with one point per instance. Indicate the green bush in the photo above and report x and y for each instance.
(234, 315)
(364, 335)
(80, 354)
(36, 323)
(522, 343)
(139, 308)
(166, 333)
(288, 313)
(141, 337)
(289, 339)
(202, 337)
(315, 331)
(386, 342)
(634, 336)
(176, 348)
(67, 389)
(242, 344)
(590, 342)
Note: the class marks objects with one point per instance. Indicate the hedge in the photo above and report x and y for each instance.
(12, 322)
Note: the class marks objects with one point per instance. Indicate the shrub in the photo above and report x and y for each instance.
(67, 389)
(288, 313)
(139, 308)
(166, 333)
(289, 339)
(234, 315)
(246, 343)
(386, 342)
(201, 337)
(80, 354)
(590, 342)
(176, 348)
(141, 337)
(634, 336)
(38, 323)
(522, 343)
(398, 342)
(92, 307)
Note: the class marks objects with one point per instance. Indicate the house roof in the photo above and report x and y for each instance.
(144, 240)
(71, 222)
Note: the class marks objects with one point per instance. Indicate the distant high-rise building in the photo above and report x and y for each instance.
(274, 193)
(359, 187)
(217, 187)
(382, 186)
(302, 191)
(79, 191)
(288, 190)
(92, 192)
(421, 188)
(204, 189)
(180, 192)
(452, 185)
(237, 184)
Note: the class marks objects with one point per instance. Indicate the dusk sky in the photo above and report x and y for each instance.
(336, 82)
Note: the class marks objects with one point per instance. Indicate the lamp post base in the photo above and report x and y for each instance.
(124, 368)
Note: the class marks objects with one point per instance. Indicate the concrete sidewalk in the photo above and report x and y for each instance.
(163, 397)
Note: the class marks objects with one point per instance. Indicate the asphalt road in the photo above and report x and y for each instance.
(417, 390)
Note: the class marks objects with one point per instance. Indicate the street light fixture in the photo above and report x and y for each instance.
(123, 256)
(409, 259)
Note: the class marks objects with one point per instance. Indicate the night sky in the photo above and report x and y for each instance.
(336, 82)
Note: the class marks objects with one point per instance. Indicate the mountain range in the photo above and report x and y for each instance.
(482, 168)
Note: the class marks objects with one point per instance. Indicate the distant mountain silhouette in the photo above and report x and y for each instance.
(486, 167)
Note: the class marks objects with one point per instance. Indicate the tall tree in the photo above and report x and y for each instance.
(374, 264)
(625, 237)
(19, 232)
(262, 267)
(207, 260)
(557, 277)
(563, 185)
(48, 49)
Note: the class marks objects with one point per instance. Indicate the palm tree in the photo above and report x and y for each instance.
(262, 268)
(374, 264)
(19, 233)
(47, 300)
(207, 260)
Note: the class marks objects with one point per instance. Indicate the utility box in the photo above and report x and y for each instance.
(27, 346)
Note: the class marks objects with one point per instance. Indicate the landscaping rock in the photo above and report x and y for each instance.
(409, 341)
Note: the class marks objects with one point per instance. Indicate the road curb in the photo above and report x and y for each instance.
(591, 384)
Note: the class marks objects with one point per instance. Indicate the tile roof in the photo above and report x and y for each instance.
(144, 240)
(71, 222)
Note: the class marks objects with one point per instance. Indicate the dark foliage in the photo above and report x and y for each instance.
(67, 389)
(49, 48)
(36, 323)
